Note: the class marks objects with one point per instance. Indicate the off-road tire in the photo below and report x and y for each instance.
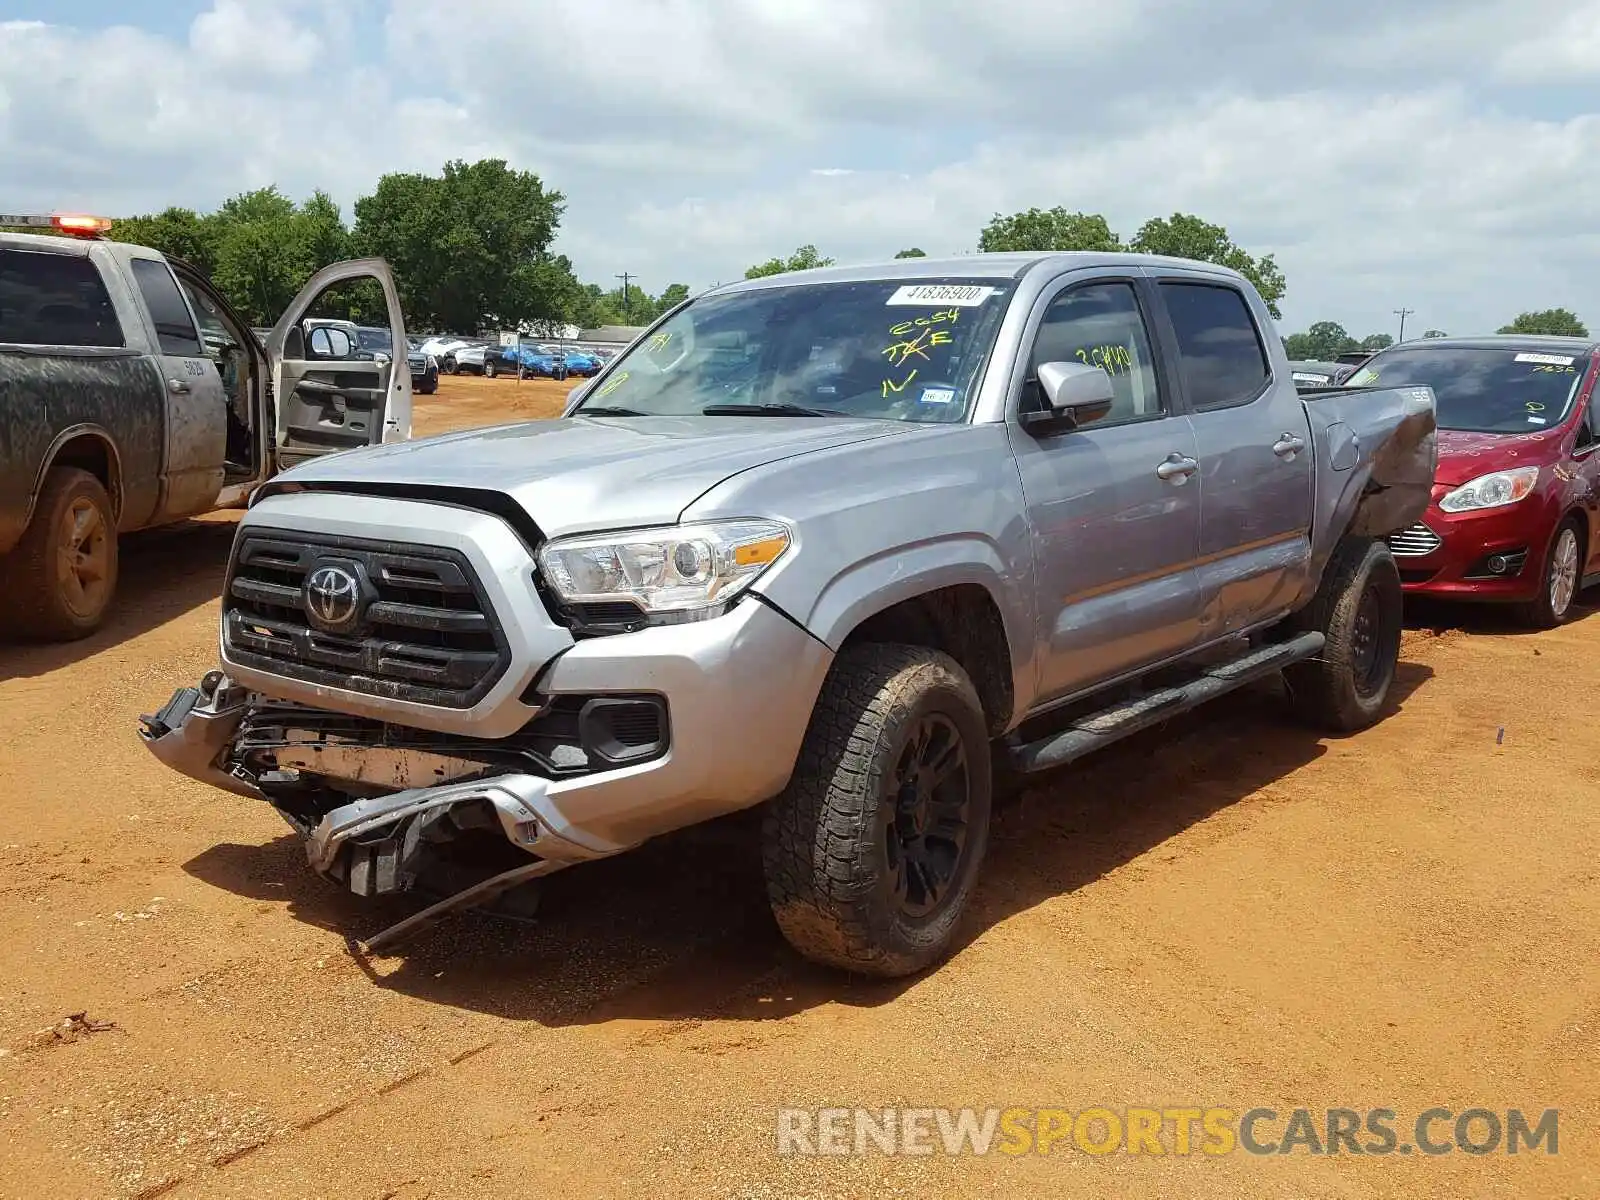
(825, 839)
(1542, 612)
(1341, 690)
(36, 597)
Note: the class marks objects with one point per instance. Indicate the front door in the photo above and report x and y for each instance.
(1256, 460)
(197, 431)
(241, 362)
(326, 402)
(1113, 506)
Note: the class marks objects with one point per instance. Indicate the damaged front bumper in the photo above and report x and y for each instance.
(380, 844)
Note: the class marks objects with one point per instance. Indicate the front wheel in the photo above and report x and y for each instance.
(489, 369)
(872, 851)
(1359, 609)
(1558, 585)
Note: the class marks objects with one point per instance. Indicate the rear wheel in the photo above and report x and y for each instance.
(489, 369)
(872, 852)
(1558, 585)
(1359, 609)
(450, 366)
(61, 576)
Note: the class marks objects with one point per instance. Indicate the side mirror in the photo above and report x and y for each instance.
(1077, 394)
(575, 396)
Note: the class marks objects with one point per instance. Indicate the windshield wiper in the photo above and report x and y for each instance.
(768, 410)
(603, 410)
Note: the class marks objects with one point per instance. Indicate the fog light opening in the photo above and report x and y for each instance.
(1497, 564)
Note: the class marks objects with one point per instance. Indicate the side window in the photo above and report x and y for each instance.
(49, 299)
(1099, 325)
(1219, 348)
(174, 326)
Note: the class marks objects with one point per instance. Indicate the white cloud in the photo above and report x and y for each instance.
(1426, 157)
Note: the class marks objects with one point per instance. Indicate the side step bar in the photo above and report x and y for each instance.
(1098, 730)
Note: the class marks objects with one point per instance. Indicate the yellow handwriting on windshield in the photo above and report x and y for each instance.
(913, 340)
(659, 342)
(612, 385)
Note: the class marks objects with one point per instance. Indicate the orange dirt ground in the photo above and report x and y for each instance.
(1224, 912)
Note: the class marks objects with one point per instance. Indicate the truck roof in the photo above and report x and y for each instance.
(46, 241)
(973, 266)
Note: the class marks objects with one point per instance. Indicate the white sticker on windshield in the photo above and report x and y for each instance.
(938, 395)
(1305, 377)
(1536, 420)
(960, 294)
(1549, 360)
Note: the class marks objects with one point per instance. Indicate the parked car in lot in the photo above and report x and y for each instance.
(467, 357)
(131, 396)
(424, 367)
(1309, 374)
(823, 542)
(523, 362)
(1515, 511)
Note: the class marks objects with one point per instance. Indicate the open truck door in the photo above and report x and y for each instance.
(324, 398)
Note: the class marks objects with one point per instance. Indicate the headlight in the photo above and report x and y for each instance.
(680, 573)
(1491, 491)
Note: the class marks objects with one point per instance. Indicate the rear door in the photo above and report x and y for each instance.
(325, 402)
(196, 449)
(1254, 444)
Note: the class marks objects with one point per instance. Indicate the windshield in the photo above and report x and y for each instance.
(374, 339)
(883, 349)
(1484, 391)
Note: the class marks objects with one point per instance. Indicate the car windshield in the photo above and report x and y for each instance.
(889, 349)
(1484, 390)
(374, 339)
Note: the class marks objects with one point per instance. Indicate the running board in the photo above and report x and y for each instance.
(1098, 730)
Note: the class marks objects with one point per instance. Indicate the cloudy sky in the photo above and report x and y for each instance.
(1441, 155)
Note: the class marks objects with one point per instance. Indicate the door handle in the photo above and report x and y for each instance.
(1288, 445)
(1177, 468)
(177, 387)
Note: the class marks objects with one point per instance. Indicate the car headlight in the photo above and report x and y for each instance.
(1491, 491)
(678, 573)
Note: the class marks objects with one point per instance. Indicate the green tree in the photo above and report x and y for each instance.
(1559, 321)
(805, 258)
(1374, 342)
(914, 252)
(1183, 235)
(674, 295)
(1323, 342)
(266, 247)
(180, 232)
(1040, 230)
(470, 243)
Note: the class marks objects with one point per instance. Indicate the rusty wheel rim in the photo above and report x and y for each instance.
(83, 556)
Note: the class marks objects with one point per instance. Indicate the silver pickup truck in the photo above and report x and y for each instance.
(131, 396)
(839, 543)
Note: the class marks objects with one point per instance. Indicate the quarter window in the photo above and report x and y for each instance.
(1219, 349)
(1100, 325)
(174, 326)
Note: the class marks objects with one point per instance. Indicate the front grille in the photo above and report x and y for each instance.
(426, 632)
(1413, 542)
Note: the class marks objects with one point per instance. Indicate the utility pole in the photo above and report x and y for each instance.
(1403, 313)
(624, 277)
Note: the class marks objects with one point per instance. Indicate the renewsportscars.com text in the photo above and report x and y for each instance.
(1164, 1130)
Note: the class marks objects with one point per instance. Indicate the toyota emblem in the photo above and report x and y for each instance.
(333, 599)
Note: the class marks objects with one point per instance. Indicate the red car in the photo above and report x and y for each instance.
(1515, 516)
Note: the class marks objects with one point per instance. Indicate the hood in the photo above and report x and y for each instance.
(580, 474)
(1464, 455)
